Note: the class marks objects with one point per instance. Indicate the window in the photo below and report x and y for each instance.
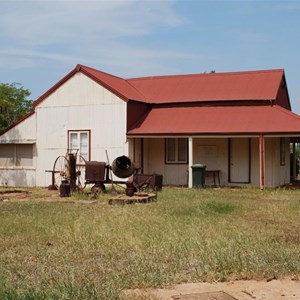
(282, 151)
(79, 142)
(16, 155)
(176, 151)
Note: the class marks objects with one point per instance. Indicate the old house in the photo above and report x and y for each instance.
(238, 124)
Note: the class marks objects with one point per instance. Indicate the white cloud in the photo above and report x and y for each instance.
(31, 56)
(70, 32)
(124, 60)
(46, 22)
(127, 60)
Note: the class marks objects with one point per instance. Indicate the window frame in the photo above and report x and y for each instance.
(78, 151)
(176, 161)
(16, 158)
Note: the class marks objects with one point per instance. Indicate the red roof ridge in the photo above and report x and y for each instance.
(286, 111)
(87, 70)
(79, 67)
(119, 86)
(54, 87)
(207, 74)
(137, 91)
(122, 93)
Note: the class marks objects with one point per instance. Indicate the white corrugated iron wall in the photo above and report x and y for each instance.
(79, 104)
(24, 134)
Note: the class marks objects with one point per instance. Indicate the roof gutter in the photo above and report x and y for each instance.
(217, 135)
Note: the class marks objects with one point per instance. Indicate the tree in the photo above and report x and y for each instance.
(14, 103)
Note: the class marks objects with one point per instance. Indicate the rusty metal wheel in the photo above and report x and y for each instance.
(61, 170)
(80, 172)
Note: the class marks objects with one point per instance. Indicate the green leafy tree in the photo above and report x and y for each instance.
(14, 103)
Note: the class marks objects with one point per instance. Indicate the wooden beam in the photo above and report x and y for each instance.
(294, 160)
(190, 159)
(262, 161)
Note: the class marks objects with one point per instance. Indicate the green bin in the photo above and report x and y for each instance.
(198, 172)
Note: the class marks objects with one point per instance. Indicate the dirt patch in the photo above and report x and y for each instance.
(284, 289)
(205, 296)
(39, 195)
(136, 198)
(7, 195)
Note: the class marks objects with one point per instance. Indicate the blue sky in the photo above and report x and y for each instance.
(41, 41)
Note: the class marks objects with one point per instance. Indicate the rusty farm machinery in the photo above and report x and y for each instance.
(75, 172)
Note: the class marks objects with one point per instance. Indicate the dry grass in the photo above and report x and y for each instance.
(67, 251)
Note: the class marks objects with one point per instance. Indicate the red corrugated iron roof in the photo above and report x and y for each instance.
(253, 85)
(117, 85)
(218, 120)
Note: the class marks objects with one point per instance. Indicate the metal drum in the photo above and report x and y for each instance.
(65, 189)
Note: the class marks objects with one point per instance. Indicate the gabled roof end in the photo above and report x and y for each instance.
(78, 67)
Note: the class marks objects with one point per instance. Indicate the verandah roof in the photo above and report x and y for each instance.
(214, 120)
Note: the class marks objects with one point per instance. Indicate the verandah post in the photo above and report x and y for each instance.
(262, 161)
(190, 159)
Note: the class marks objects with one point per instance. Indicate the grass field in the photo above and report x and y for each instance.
(75, 251)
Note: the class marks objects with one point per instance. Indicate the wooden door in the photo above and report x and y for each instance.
(239, 160)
